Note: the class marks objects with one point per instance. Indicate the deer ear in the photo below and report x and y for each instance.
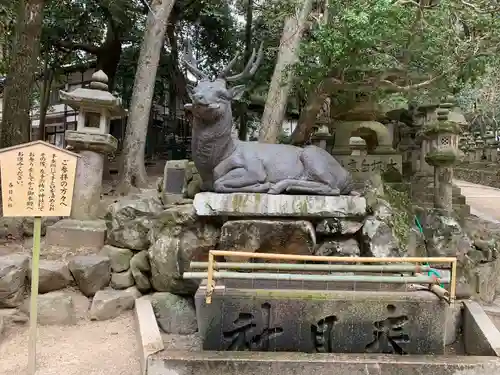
(237, 92)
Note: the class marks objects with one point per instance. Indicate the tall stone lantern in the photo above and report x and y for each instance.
(96, 107)
(442, 139)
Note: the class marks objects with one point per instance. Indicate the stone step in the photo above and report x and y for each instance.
(77, 233)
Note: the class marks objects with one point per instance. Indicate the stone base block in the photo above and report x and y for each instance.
(255, 204)
(322, 321)
(77, 233)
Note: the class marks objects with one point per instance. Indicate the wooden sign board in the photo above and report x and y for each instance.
(37, 180)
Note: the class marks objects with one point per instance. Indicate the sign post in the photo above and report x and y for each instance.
(37, 180)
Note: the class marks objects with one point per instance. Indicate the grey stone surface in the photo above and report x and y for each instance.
(348, 247)
(255, 204)
(119, 257)
(129, 221)
(77, 233)
(170, 255)
(323, 321)
(268, 236)
(148, 334)
(174, 175)
(96, 142)
(227, 165)
(28, 223)
(109, 303)
(141, 271)
(335, 226)
(11, 227)
(174, 314)
(380, 239)
(53, 275)
(13, 277)
(481, 335)
(251, 363)
(91, 273)
(122, 280)
(54, 308)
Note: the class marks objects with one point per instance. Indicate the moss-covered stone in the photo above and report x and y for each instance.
(442, 157)
(402, 218)
(439, 127)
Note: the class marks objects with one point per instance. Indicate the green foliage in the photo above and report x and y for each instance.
(389, 44)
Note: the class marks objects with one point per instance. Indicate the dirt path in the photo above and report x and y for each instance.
(89, 348)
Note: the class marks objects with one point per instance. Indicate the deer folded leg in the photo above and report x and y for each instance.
(240, 180)
(303, 187)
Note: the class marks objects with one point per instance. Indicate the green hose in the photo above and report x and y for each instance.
(432, 271)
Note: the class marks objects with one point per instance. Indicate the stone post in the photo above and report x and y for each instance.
(96, 106)
(442, 139)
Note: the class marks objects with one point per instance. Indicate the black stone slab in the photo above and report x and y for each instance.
(322, 321)
(175, 180)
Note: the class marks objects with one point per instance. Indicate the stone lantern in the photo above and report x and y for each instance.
(441, 139)
(358, 146)
(491, 144)
(322, 138)
(96, 107)
(479, 148)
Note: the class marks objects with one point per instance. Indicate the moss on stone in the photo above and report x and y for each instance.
(439, 127)
(402, 218)
(442, 157)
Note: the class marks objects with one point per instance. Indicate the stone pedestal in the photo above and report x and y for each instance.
(93, 148)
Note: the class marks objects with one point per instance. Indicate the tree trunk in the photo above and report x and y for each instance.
(109, 55)
(16, 124)
(132, 167)
(277, 97)
(48, 75)
(310, 112)
(243, 128)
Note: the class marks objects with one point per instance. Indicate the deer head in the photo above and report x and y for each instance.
(211, 98)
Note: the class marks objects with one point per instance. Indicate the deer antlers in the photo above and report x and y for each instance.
(249, 71)
(250, 68)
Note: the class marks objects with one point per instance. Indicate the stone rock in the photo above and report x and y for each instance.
(254, 204)
(445, 236)
(175, 314)
(53, 275)
(334, 226)
(171, 253)
(54, 308)
(129, 221)
(119, 258)
(13, 277)
(46, 222)
(174, 176)
(91, 273)
(192, 181)
(11, 228)
(109, 303)
(141, 271)
(268, 236)
(339, 247)
(181, 215)
(379, 240)
(122, 280)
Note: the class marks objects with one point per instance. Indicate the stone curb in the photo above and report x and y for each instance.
(147, 331)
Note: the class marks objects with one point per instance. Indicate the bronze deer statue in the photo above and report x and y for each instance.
(227, 165)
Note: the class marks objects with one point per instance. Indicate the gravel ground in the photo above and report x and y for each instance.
(88, 348)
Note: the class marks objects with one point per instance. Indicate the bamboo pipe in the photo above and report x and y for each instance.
(313, 267)
(304, 277)
(317, 258)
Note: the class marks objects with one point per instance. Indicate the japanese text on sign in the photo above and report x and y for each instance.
(41, 183)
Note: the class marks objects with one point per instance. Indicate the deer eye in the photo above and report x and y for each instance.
(223, 95)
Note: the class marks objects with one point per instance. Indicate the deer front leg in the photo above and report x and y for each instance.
(240, 180)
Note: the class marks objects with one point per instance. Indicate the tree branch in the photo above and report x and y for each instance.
(89, 48)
